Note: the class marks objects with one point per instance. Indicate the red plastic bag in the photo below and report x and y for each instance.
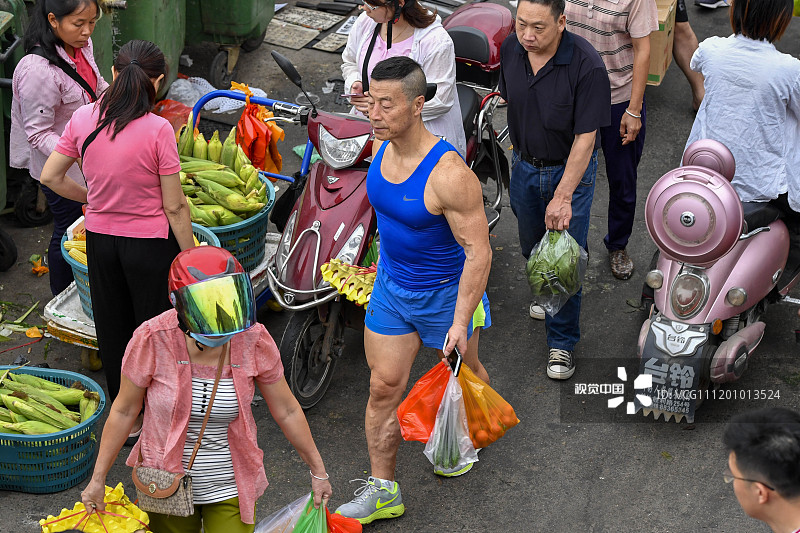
(417, 413)
(175, 112)
(341, 524)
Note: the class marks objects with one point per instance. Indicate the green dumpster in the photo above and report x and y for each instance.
(233, 25)
(159, 21)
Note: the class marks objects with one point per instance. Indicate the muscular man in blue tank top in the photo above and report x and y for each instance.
(434, 263)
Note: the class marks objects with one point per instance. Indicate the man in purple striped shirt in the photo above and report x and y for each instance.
(620, 32)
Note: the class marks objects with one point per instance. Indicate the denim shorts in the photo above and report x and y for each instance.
(394, 310)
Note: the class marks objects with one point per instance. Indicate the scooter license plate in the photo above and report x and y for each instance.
(676, 339)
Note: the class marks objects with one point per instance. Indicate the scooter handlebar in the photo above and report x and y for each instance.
(277, 105)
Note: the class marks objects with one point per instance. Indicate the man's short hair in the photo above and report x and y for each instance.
(761, 20)
(405, 70)
(767, 447)
(556, 6)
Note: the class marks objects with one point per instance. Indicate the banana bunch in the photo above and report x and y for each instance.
(354, 282)
(218, 179)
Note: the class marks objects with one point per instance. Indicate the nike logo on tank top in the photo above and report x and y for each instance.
(418, 250)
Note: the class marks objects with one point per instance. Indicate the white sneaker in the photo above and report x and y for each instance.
(711, 4)
(536, 312)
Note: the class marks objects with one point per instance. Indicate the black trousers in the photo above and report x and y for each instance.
(65, 212)
(128, 284)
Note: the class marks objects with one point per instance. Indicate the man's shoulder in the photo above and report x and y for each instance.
(450, 167)
(509, 45)
(584, 53)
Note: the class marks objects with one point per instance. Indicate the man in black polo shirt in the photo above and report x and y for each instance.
(558, 96)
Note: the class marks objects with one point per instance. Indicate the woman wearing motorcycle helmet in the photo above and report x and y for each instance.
(404, 27)
(213, 325)
(752, 106)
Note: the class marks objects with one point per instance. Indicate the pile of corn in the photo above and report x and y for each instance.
(219, 182)
(120, 516)
(36, 406)
(77, 248)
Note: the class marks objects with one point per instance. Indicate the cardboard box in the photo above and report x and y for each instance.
(661, 42)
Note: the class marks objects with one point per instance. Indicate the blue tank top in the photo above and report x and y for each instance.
(418, 249)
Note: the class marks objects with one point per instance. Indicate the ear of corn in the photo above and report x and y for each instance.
(186, 140)
(200, 147)
(5, 415)
(76, 245)
(79, 256)
(215, 148)
(89, 404)
(38, 394)
(228, 155)
(36, 381)
(31, 427)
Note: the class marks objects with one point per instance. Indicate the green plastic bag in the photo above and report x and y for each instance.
(797, 8)
(312, 520)
(555, 270)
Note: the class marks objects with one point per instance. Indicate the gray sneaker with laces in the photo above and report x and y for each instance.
(561, 364)
(374, 499)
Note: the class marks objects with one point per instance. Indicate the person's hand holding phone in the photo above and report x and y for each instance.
(359, 102)
(455, 343)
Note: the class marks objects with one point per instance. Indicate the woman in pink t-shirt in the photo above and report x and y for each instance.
(44, 98)
(137, 219)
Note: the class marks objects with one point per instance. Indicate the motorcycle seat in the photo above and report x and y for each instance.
(759, 215)
(470, 103)
(470, 43)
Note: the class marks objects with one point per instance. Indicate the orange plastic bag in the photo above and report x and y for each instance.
(489, 416)
(258, 138)
(341, 524)
(417, 413)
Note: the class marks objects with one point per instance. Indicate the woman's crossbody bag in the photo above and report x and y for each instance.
(164, 492)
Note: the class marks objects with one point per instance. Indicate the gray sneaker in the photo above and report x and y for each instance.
(561, 364)
(375, 499)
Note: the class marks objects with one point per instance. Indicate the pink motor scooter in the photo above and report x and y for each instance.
(720, 264)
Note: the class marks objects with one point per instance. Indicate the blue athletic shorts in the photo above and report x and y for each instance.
(393, 310)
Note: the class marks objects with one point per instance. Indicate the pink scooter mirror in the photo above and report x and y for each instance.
(711, 154)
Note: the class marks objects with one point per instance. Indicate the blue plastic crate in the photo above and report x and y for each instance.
(54, 462)
(81, 272)
(247, 240)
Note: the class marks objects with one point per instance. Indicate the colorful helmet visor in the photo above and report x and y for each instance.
(217, 306)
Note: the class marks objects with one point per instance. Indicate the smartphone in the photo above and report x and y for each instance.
(454, 359)
(351, 95)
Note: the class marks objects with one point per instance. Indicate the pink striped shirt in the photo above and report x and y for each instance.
(610, 25)
(156, 359)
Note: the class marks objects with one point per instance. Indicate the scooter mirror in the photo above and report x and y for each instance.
(430, 91)
(287, 68)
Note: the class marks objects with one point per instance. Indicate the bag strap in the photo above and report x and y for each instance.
(210, 403)
(208, 411)
(365, 66)
(68, 70)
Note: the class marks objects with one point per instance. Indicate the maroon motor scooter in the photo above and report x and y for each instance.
(333, 218)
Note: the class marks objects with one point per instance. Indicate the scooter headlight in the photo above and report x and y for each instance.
(340, 153)
(348, 252)
(654, 279)
(736, 297)
(689, 293)
(286, 242)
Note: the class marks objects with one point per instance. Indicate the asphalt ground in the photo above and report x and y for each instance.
(571, 464)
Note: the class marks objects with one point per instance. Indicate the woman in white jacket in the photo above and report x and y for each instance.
(416, 33)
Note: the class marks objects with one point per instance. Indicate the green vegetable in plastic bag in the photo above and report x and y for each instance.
(555, 269)
(312, 520)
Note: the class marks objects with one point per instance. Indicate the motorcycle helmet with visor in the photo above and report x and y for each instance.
(212, 294)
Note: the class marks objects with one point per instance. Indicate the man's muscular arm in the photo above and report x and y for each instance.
(456, 193)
